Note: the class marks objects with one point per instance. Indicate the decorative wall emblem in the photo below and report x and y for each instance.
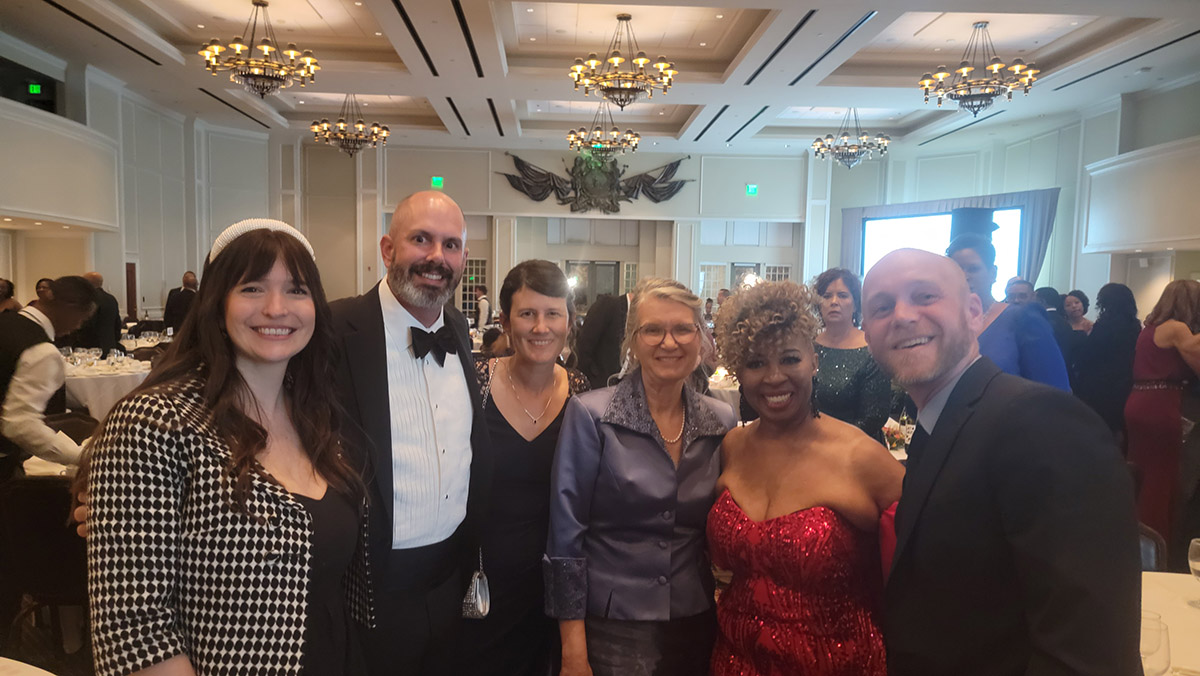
(595, 182)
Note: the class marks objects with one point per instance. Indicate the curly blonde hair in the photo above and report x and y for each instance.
(763, 317)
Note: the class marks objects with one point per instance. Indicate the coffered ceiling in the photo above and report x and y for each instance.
(756, 76)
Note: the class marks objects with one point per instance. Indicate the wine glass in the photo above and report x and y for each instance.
(1194, 564)
(1155, 645)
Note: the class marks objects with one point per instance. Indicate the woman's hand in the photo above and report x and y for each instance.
(80, 515)
(574, 649)
(575, 667)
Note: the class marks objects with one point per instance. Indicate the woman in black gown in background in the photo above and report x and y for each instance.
(523, 398)
(849, 385)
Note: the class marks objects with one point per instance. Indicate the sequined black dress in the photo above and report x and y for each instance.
(805, 596)
(851, 387)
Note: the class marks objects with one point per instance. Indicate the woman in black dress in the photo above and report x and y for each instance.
(523, 398)
(849, 385)
(1104, 360)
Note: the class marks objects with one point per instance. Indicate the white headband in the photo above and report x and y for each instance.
(242, 227)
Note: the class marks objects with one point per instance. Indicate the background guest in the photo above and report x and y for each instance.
(7, 302)
(523, 401)
(1104, 359)
(599, 344)
(1018, 292)
(248, 517)
(179, 300)
(494, 344)
(799, 491)
(849, 385)
(1166, 357)
(1075, 305)
(708, 310)
(634, 476)
(42, 289)
(1017, 339)
(103, 328)
(483, 307)
(1067, 339)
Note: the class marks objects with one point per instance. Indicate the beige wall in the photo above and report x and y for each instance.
(50, 256)
(331, 216)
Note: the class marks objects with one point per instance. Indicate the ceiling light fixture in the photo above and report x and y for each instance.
(623, 87)
(851, 144)
(350, 136)
(599, 143)
(977, 93)
(265, 74)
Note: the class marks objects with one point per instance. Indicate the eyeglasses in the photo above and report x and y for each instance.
(653, 334)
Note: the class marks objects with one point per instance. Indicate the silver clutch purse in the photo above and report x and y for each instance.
(478, 600)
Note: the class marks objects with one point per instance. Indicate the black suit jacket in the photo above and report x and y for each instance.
(599, 344)
(179, 300)
(363, 391)
(1017, 544)
(103, 329)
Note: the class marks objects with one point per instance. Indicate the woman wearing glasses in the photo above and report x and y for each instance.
(634, 475)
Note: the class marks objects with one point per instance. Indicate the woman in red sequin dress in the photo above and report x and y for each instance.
(800, 497)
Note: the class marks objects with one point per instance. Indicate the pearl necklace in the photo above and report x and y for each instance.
(511, 384)
(677, 436)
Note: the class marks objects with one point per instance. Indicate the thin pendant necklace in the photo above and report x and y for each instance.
(682, 421)
(511, 384)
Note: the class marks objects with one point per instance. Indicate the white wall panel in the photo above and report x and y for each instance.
(746, 233)
(712, 233)
(1135, 199)
(75, 177)
(947, 176)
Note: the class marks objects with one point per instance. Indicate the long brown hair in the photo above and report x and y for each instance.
(1180, 301)
(203, 348)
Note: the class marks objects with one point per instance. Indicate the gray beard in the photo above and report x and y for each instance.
(400, 282)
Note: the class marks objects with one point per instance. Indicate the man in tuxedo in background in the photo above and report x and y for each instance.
(1016, 540)
(179, 300)
(600, 339)
(409, 387)
(102, 329)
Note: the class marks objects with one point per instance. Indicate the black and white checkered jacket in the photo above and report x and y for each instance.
(172, 569)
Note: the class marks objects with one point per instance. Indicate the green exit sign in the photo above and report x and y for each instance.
(436, 182)
(35, 88)
(751, 189)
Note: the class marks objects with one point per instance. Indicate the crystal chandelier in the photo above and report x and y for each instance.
(598, 141)
(623, 86)
(260, 74)
(847, 152)
(350, 136)
(977, 93)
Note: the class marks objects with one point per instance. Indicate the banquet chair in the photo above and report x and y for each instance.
(1153, 549)
(47, 558)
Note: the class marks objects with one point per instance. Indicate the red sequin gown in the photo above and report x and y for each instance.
(805, 596)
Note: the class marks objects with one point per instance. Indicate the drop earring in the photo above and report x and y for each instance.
(816, 413)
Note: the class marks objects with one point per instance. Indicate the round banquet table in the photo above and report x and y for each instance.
(1168, 594)
(99, 391)
(727, 391)
(13, 668)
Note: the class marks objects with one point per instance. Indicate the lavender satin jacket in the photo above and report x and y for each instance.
(626, 525)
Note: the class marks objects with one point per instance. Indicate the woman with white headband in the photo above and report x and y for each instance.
(225, 526)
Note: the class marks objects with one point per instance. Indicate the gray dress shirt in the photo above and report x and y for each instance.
(626, 525)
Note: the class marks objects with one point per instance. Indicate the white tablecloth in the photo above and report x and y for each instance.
(13, 668)
(1168, 594)
(727, 393)
(99, 391)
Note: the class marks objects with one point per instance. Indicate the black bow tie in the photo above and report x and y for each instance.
(440, 342)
